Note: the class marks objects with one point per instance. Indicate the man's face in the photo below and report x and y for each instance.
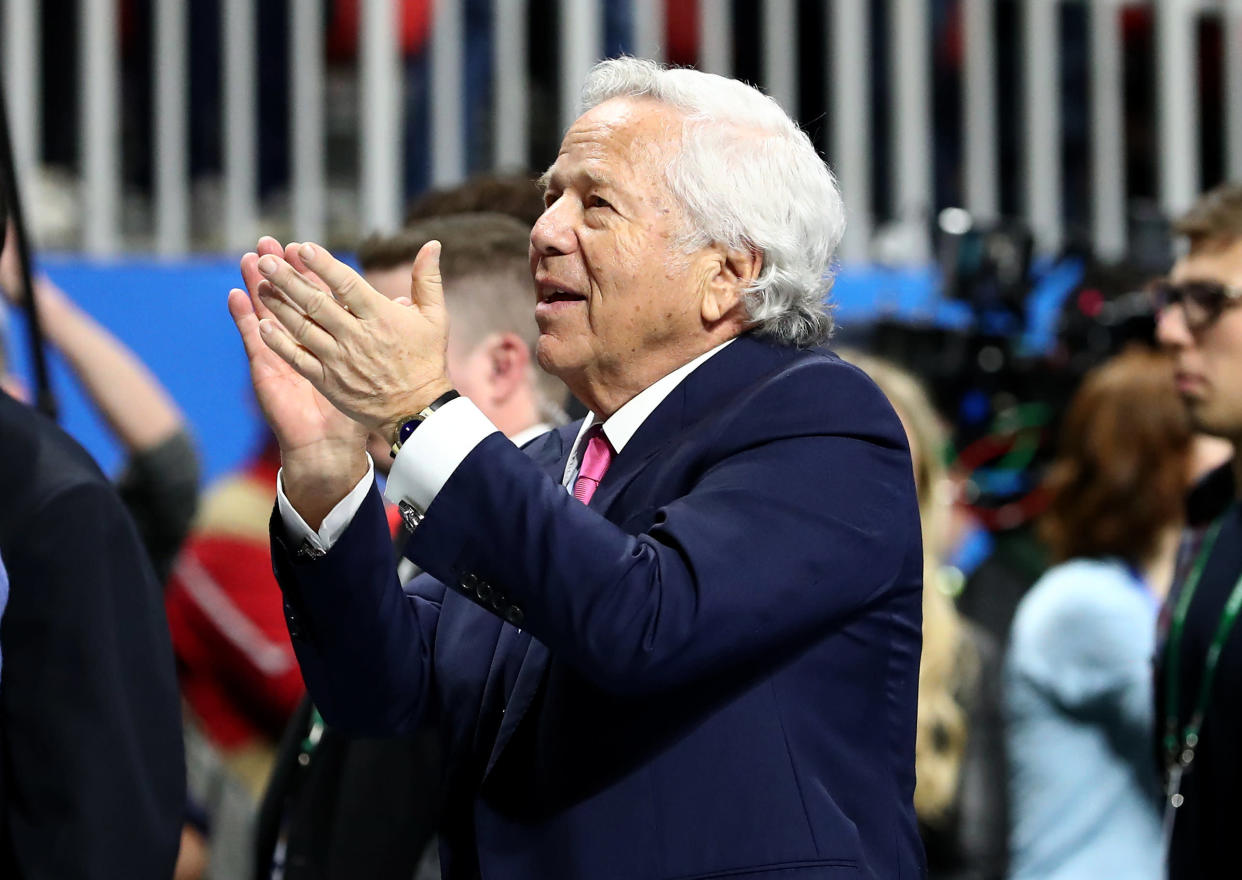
(614, 290)
(1208, 358)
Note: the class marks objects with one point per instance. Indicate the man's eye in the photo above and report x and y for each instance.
(597, 202)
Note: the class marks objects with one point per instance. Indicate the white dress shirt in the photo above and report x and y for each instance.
(442, 442)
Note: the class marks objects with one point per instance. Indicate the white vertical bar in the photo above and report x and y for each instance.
(1108, 158)
(241, 125)
(1233, 89)
(911, 125)
(649, 23)
(979, 108)
(849, 74)
(582, 41)
(1042, 119)
(510, 85)
(715, 37)
(780, 54)
(172, 193)
(99, 120)
(1177, 98)
(306, 120)
(20, 41)
(448, 94)
(380, 140)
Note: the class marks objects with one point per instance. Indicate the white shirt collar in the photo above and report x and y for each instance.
(521, 438)
(625, 422)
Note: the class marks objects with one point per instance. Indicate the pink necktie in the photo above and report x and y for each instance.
(595, 461)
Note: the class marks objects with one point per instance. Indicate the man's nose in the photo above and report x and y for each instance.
(552, 233)
(1171, 329)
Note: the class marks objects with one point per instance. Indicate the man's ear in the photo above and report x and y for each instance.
(733, 270)
(508, 359)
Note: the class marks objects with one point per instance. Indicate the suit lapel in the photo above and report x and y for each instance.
(701, 393)
(659, 430)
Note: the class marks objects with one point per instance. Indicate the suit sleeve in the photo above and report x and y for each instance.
(94, 775)
(364, 645)
(796, 519)
(159, 488)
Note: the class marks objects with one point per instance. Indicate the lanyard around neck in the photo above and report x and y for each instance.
(1181, 750)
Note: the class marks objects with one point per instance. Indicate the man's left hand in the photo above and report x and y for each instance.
(377, 360)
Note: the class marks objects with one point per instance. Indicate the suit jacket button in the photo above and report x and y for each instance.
(483, 590)
(514, 615)
(291, 620)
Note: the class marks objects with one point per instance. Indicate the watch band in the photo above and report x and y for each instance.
(407, 425)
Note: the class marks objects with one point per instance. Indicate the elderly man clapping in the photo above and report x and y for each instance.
(679, 638)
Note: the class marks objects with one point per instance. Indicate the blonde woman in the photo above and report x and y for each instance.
(959, 750)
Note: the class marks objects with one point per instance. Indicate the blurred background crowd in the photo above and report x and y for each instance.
(1013, 170)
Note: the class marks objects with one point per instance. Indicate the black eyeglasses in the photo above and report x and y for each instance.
(1202, 301)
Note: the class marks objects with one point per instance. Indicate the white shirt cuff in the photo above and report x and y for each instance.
(334, 524)
(433, 452)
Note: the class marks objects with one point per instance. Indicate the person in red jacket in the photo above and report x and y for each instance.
(238, 674)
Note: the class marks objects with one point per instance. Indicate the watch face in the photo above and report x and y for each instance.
(406, 429)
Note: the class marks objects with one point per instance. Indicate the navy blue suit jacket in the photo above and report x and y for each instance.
(717, 668)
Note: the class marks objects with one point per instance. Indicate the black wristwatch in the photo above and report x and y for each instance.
(407, 425)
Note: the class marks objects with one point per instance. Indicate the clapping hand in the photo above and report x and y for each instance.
(322, 449)
(375, 359)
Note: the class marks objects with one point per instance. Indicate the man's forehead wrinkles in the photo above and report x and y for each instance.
(596, 129)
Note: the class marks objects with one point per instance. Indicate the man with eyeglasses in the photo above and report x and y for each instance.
(1199, 673)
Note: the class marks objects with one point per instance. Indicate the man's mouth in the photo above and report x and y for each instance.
(550, 292)
(555, 296)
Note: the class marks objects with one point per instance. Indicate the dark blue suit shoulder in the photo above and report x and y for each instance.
(817, 393)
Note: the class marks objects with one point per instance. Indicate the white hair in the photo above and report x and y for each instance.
(747, 177)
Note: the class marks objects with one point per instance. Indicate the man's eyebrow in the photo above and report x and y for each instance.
(585, 175)
(600, 181)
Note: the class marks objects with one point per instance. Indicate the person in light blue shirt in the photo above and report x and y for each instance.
(1085, 799)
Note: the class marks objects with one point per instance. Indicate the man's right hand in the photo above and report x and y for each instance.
(323, 452)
